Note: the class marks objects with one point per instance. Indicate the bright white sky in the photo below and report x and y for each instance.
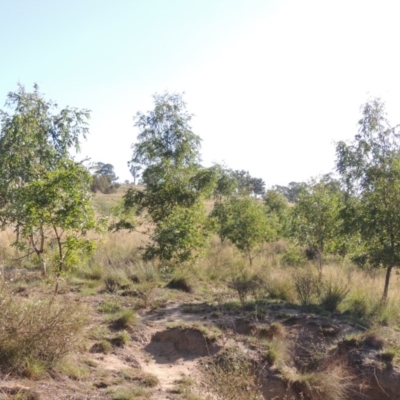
(273, 84)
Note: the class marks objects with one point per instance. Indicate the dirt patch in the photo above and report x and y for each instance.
(186, 341)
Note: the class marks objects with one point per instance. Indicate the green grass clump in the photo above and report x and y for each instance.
(103, 346)
(109, 307)
(333, 294)
(124, 319)
(73, 369)
(121, 339)
(115, 280)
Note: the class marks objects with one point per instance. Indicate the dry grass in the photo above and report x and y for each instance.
(35, 334)
(118, 249)
(333, 383)
(233, 376)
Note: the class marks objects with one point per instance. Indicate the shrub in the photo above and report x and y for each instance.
(307, 284)
(334, 293)
(180, 283)
(146, 291)
(293, 257)
(245, 284)
(281, 288)
(40, 332)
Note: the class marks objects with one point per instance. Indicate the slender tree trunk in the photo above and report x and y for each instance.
(387, 280)
(60, 250)
(44, 269)
(320, 262)
(39, 252)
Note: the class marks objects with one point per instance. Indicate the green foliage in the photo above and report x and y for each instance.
(370, 170)
(175, 185)
(165, 134)
(120, 339)
(244, 222)
(293, 257)
(104, 178)
(33, 139)
(181, 236)
(125, 319)
(359, 305)
(57, 206)
(226, 182)
(247, 184)
(277, 208)
(111, 307)
(170, 187)
(44, 193)
(292, 191)
(315, 220)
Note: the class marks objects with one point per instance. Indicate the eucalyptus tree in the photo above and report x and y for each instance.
(370, 171)
(278, 209)
(175, 185)
(57, 208)
(104, 178)
(43, 192)
(243, 221)
(315, 218)
(247, 184)
(292, 191)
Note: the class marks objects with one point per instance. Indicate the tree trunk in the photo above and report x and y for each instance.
(320, 262)
(43, 269)
(387, 280)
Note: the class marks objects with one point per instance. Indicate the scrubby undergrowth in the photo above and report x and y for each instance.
(121, 328)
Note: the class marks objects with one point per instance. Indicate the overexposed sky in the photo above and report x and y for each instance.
(272, 84)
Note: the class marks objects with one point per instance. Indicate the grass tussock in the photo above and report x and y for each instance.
(35, 334)
(125, 319)
(182, 283)
(233, 376)
(183, 390)
(334, 383)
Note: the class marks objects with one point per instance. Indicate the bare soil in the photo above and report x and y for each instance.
(176, 339)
